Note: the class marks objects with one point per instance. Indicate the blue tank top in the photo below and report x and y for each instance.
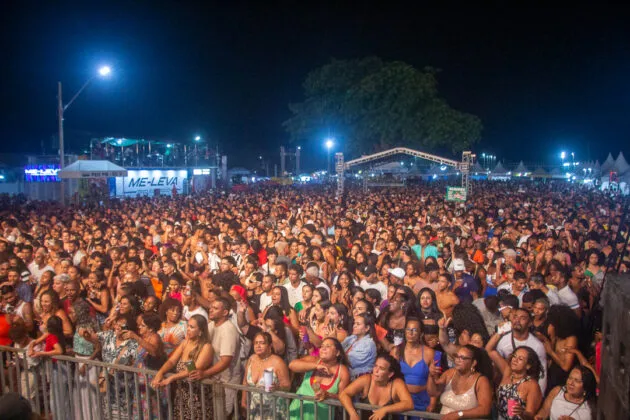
(418, 373)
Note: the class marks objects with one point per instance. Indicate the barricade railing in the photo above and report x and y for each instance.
(74, 388)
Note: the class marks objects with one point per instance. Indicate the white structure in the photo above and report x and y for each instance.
(463, 167)
(92, 169)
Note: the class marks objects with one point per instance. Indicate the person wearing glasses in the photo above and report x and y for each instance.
(464, 390)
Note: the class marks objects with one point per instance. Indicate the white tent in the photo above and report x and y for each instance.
(521, 169)
(477, 169)
(499, 170)
(92, 169)
(620, 166)
(608, 164)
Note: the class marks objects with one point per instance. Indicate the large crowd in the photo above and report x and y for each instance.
(395, 297)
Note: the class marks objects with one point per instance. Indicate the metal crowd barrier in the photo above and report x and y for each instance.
(59, 389)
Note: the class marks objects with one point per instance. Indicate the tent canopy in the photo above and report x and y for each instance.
(92, 169)
(620, 166)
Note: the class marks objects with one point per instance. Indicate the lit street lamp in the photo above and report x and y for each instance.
(103, 72)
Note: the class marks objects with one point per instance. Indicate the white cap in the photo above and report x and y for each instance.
(397, 272)
(458, 264)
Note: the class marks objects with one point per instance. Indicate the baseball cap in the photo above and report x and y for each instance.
(458, 264)
(397, 272)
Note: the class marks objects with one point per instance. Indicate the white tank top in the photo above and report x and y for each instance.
(452, 402)
(560, 406)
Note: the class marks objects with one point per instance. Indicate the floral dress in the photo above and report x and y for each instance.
(182, 407)
(264, 410)
(173, 336)
(508, 392)
(123, 354)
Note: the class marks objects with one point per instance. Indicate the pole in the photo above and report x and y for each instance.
(61, 145)
(328, 162)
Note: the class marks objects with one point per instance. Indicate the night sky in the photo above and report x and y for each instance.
(540, 80)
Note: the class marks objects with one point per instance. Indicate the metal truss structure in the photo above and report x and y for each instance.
(464, 166)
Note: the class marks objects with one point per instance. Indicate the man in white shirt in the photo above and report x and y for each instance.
(295, 284)
(537, 281)
(371, 281)
(191, 306)
(225, 340)
(265, 297)
(38, 266)
(520, 336)
(566, 296)
(312, 277)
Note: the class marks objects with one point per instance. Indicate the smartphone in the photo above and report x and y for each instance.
(438, 361)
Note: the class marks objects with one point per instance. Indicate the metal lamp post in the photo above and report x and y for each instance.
(103, 72)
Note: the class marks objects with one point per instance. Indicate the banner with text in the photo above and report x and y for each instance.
(456, 194)
(149, 182)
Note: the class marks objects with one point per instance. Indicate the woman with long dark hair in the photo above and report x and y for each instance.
(428, 304)
(280, 298)
(415, 358)
(518, 393)
(566, 326)
(384, 387)
(312, 335)
(338, 322)
(394, 316)
(55, 345)
(342, 291)
(325, 377)
(282, 338)
(194, 353)
(360, 347)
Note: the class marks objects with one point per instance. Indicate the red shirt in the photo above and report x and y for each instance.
(4, 331)
(50, 342)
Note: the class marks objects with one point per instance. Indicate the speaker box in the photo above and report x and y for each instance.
(614, 397)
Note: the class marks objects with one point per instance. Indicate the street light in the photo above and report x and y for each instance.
(329, 144)
(103, 72)
(197, 140)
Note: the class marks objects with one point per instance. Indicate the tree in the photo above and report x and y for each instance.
(376, 105)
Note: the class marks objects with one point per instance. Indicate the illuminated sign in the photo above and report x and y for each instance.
(41, 173)
(147, 181)
(202, 171)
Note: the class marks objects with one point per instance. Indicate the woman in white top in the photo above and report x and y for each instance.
(465, 390)
(574, 400)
